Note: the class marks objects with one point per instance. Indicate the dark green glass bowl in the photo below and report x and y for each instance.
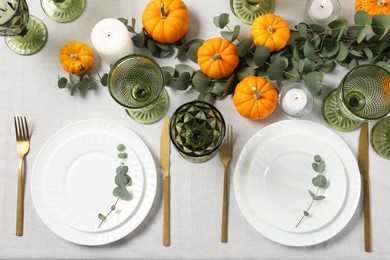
(197, 130)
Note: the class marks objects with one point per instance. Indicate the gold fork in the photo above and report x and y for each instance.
(225, 154)
(22, 148)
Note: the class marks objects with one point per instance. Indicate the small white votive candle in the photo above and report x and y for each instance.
(295, 99)
(320, 11)
(111, 40)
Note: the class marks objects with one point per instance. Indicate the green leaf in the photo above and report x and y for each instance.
(317, 28)
(245, 72)
(120, 180)
(343, 52)
(139, 40)
(311, 194)
(121, 147)
(75, 87)
(262, 53)
(368, 53)
(73, 79)
(101, 217)
(363, 32)
(221, 21)
(331, 48)
(276, 70)
(129, 180)
(353, 64)
(302, 28)
(362, 18)
(181, 51)
(305, 213)
(319, 198)
(308, 50)
(122, 155)
(338, 26)
(183, 68)
(124, 170)
(116, 192)
(327, 66)
(313, 81)
(163, 46)
(384, 65)
(230, 85)
(182, 82)
(231, 36)
(124, 194)
(62, 82)
(218, 89)
(123, 20)
(321, 167)
(207, 97)
(201, 82)
(113, 207)
(104, 80)
(192, 52)
(244, 47)
(381, 24)
(85, 84)
(319, 181)
(168, 73)
(353, 32)
(317, 158)
(118, 169)
(306, 65)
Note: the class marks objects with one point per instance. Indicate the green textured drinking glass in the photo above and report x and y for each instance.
(197, 130)
(380, 137)
(25, 34)
(248, 10)
(362, 95)
(136, 82)
(63, 11)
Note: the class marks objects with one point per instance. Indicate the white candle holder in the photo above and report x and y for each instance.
(322, 12)
(295, 100)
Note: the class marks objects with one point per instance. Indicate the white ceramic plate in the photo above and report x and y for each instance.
(73, 178)
(248, 198)
(281, 175)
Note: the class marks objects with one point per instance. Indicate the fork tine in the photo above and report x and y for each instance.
(27, 135)
(16, 130)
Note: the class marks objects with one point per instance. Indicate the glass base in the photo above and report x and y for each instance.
(248, 10)
(154, 114)
(380, 137)
(32, 42)
(334, 117)
(63, 11)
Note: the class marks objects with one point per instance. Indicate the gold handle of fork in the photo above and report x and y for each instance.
(225, 207)
(166, 211)
(20, 202)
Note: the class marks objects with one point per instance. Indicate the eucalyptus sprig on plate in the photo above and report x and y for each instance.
(318, 181)
(122, 181)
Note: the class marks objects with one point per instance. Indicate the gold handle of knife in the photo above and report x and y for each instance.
(166, 211)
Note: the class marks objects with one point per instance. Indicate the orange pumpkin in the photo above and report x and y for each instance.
(217, 58)
(373, 7)
(255, 98)
(76, 57)
(166, 21)
(271, 31)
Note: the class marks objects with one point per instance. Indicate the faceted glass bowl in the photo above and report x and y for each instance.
(380, 137)
(197, 130)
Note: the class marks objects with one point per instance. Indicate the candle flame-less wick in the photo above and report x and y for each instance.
(323, 3)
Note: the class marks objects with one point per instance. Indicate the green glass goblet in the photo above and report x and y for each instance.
(248, 10)
(380, 137)
(136, 82)
(362, 95)
(197, 130)
(63, 11)
(25, 34)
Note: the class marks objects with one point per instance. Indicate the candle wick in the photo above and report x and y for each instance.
(108, 35)
(323, 3)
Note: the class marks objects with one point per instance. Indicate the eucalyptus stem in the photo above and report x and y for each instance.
(111, 210)
(307, 210)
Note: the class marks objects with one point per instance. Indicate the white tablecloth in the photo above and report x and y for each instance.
(28, 87)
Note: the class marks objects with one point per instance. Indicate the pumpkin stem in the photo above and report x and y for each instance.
(256, 93)
(74, 56)
(163, 13)
(271, 29)
(216, 57)
(381, 2)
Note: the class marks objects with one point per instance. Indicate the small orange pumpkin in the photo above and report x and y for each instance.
(373, 7)
(76, 57)
(271, 31)
(255, 98)
(217, 58)
(166, 21)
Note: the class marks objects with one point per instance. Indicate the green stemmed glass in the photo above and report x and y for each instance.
(136, 82)
(362, 95)
(248, 10)
(197, 130)
(380, 137)
(26, 34)
(63, 11)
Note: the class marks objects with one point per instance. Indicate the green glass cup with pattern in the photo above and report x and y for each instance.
(380, 137)
(197, 130)
(136, 82)
(63, 11)
(248, 10)
(362, 95)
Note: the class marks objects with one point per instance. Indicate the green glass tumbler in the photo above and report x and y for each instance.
(362, 95)
(197, 130)
(136, 82)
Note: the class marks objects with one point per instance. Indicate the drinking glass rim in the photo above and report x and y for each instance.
(130, 56)
(341, 91)
(212, 107)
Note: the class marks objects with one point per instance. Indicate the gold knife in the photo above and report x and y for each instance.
(165, 146)
(363, 161)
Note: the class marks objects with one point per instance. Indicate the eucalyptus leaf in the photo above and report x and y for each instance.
(139, 39)
(319, 197)
(317, 158)
(262, 53)
(120, 180)
(122, 155)
(101, 217)
(381, 24)
(353, 64)
(113, 207)
(362, 18)
(231, 35)
(276, 70)
(74, 89)
(123, 20)
(338, 26)
(305, 213)
(182, 82)
(201, 82)
(62, 82)
(384, 65)
(317, 28)
(245, 72)
(321, 167)
(207, 97)
(368, 53)
(162, 46)
(306, 66)
(331, 48)
(73, 79)
(104, 80)
(363, 32)
(125, 194)
(319, 181)
(192, 52)
(85, 84)
(230, 85)
(182, 68)
(181, 51)
(116, 192)
(124, 170)
(118, 169)
(313, 81)
(327, 66)
(221, 21)
(218, 89)
(308, 50)
(343, 52)
(151, 45)
(129, 180)
(353, 32)
(302, 28)
(311, 194)
(245, 46)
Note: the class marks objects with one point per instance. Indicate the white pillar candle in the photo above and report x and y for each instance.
(320, 11)
(111, 40)
(294, 101)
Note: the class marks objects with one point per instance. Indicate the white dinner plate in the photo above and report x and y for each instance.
(254, 199)
(281, 175)
(73, 178)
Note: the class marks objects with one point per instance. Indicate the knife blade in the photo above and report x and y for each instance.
(165, 150)
(363, 161)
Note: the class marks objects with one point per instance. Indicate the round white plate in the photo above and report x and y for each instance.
(73, 178)
(281, 175)
(245, 194)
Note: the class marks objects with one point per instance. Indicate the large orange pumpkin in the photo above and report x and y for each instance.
(217, 58)
(271, 31)
(255, 98)
(166, 21)
(373, 7)
(76, 57)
